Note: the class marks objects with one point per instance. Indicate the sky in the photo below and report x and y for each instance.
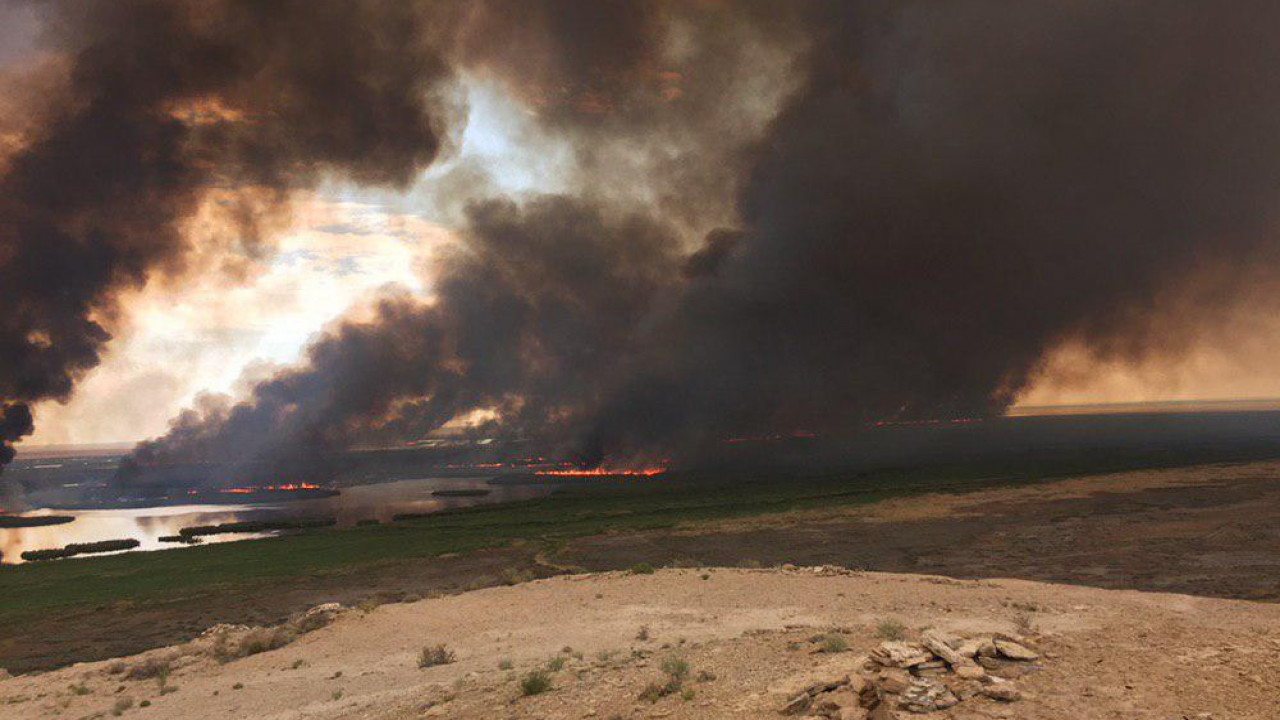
(341, 244)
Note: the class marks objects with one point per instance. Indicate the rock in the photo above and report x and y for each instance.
(798, 704)
(987, 648)
(894, 680)
(830, 704)
(900, 654)
(1002, 692)
(852, 713)
(809, 683)
(882, 712)
(1005, 668)
(325, 609)
(969, 648)
(858, 684)
(937, 644)
(969, 670)
(1014, 651)
(925, 696)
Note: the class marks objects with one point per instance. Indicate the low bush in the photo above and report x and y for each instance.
(535, 683)
(889, 629)
(433, 655)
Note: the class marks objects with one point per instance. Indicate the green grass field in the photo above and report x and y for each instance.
(574, 511)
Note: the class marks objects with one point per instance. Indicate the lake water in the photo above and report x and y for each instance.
(147, 525)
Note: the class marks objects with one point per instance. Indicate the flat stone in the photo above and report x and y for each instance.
(969, 648)
(1014, 651)
(895, 680)
(852, 713)
(810, 683)
(900, 654)
(937, 644)
(833, 702)
(797, 705)
(969, 670)
(924, 696)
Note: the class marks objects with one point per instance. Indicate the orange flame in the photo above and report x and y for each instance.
(288, 487)
(605, 472)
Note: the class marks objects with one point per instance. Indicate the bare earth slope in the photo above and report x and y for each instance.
(1104, 653)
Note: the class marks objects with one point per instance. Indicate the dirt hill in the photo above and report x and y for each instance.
(707, 643)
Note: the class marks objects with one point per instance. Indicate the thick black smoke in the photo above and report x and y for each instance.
(951, 190)
(166, 103)
(958, 187)
(530, 317)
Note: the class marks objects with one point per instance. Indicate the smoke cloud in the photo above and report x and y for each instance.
(924, 200)
(529, 318)
(171, 104)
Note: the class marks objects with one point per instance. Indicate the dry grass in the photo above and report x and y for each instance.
(433, 655)
(890, 629)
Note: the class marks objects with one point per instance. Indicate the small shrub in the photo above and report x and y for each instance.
(79, 689)
(676, 668)
(535, 683)
(706, 676)
(310, 622)
(337, 695)
(299, 663)
(642, 569)
(1024, 622)
(433, 655)
(505, 664)
(555, 664)
(145, 703)
(833, 643)
(257, 640)
(151, 668)
(516, 576)
(687, 694)
(121, 705)
(653, 692)
(890, 629)
(238, 686)
(643, 634)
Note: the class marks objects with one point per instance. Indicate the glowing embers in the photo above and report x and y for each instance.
(605, 472)
(289, 487)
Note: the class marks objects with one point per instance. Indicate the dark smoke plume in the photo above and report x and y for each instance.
(951, 190)
(957, 188)
(167, 104)
(530, 317)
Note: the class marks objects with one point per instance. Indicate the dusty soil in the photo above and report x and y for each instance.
(1211, 531)
(1105, 654)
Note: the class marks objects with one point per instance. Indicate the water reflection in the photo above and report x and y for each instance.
(147, 525)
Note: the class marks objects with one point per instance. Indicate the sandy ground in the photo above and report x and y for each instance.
(1105, 653)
